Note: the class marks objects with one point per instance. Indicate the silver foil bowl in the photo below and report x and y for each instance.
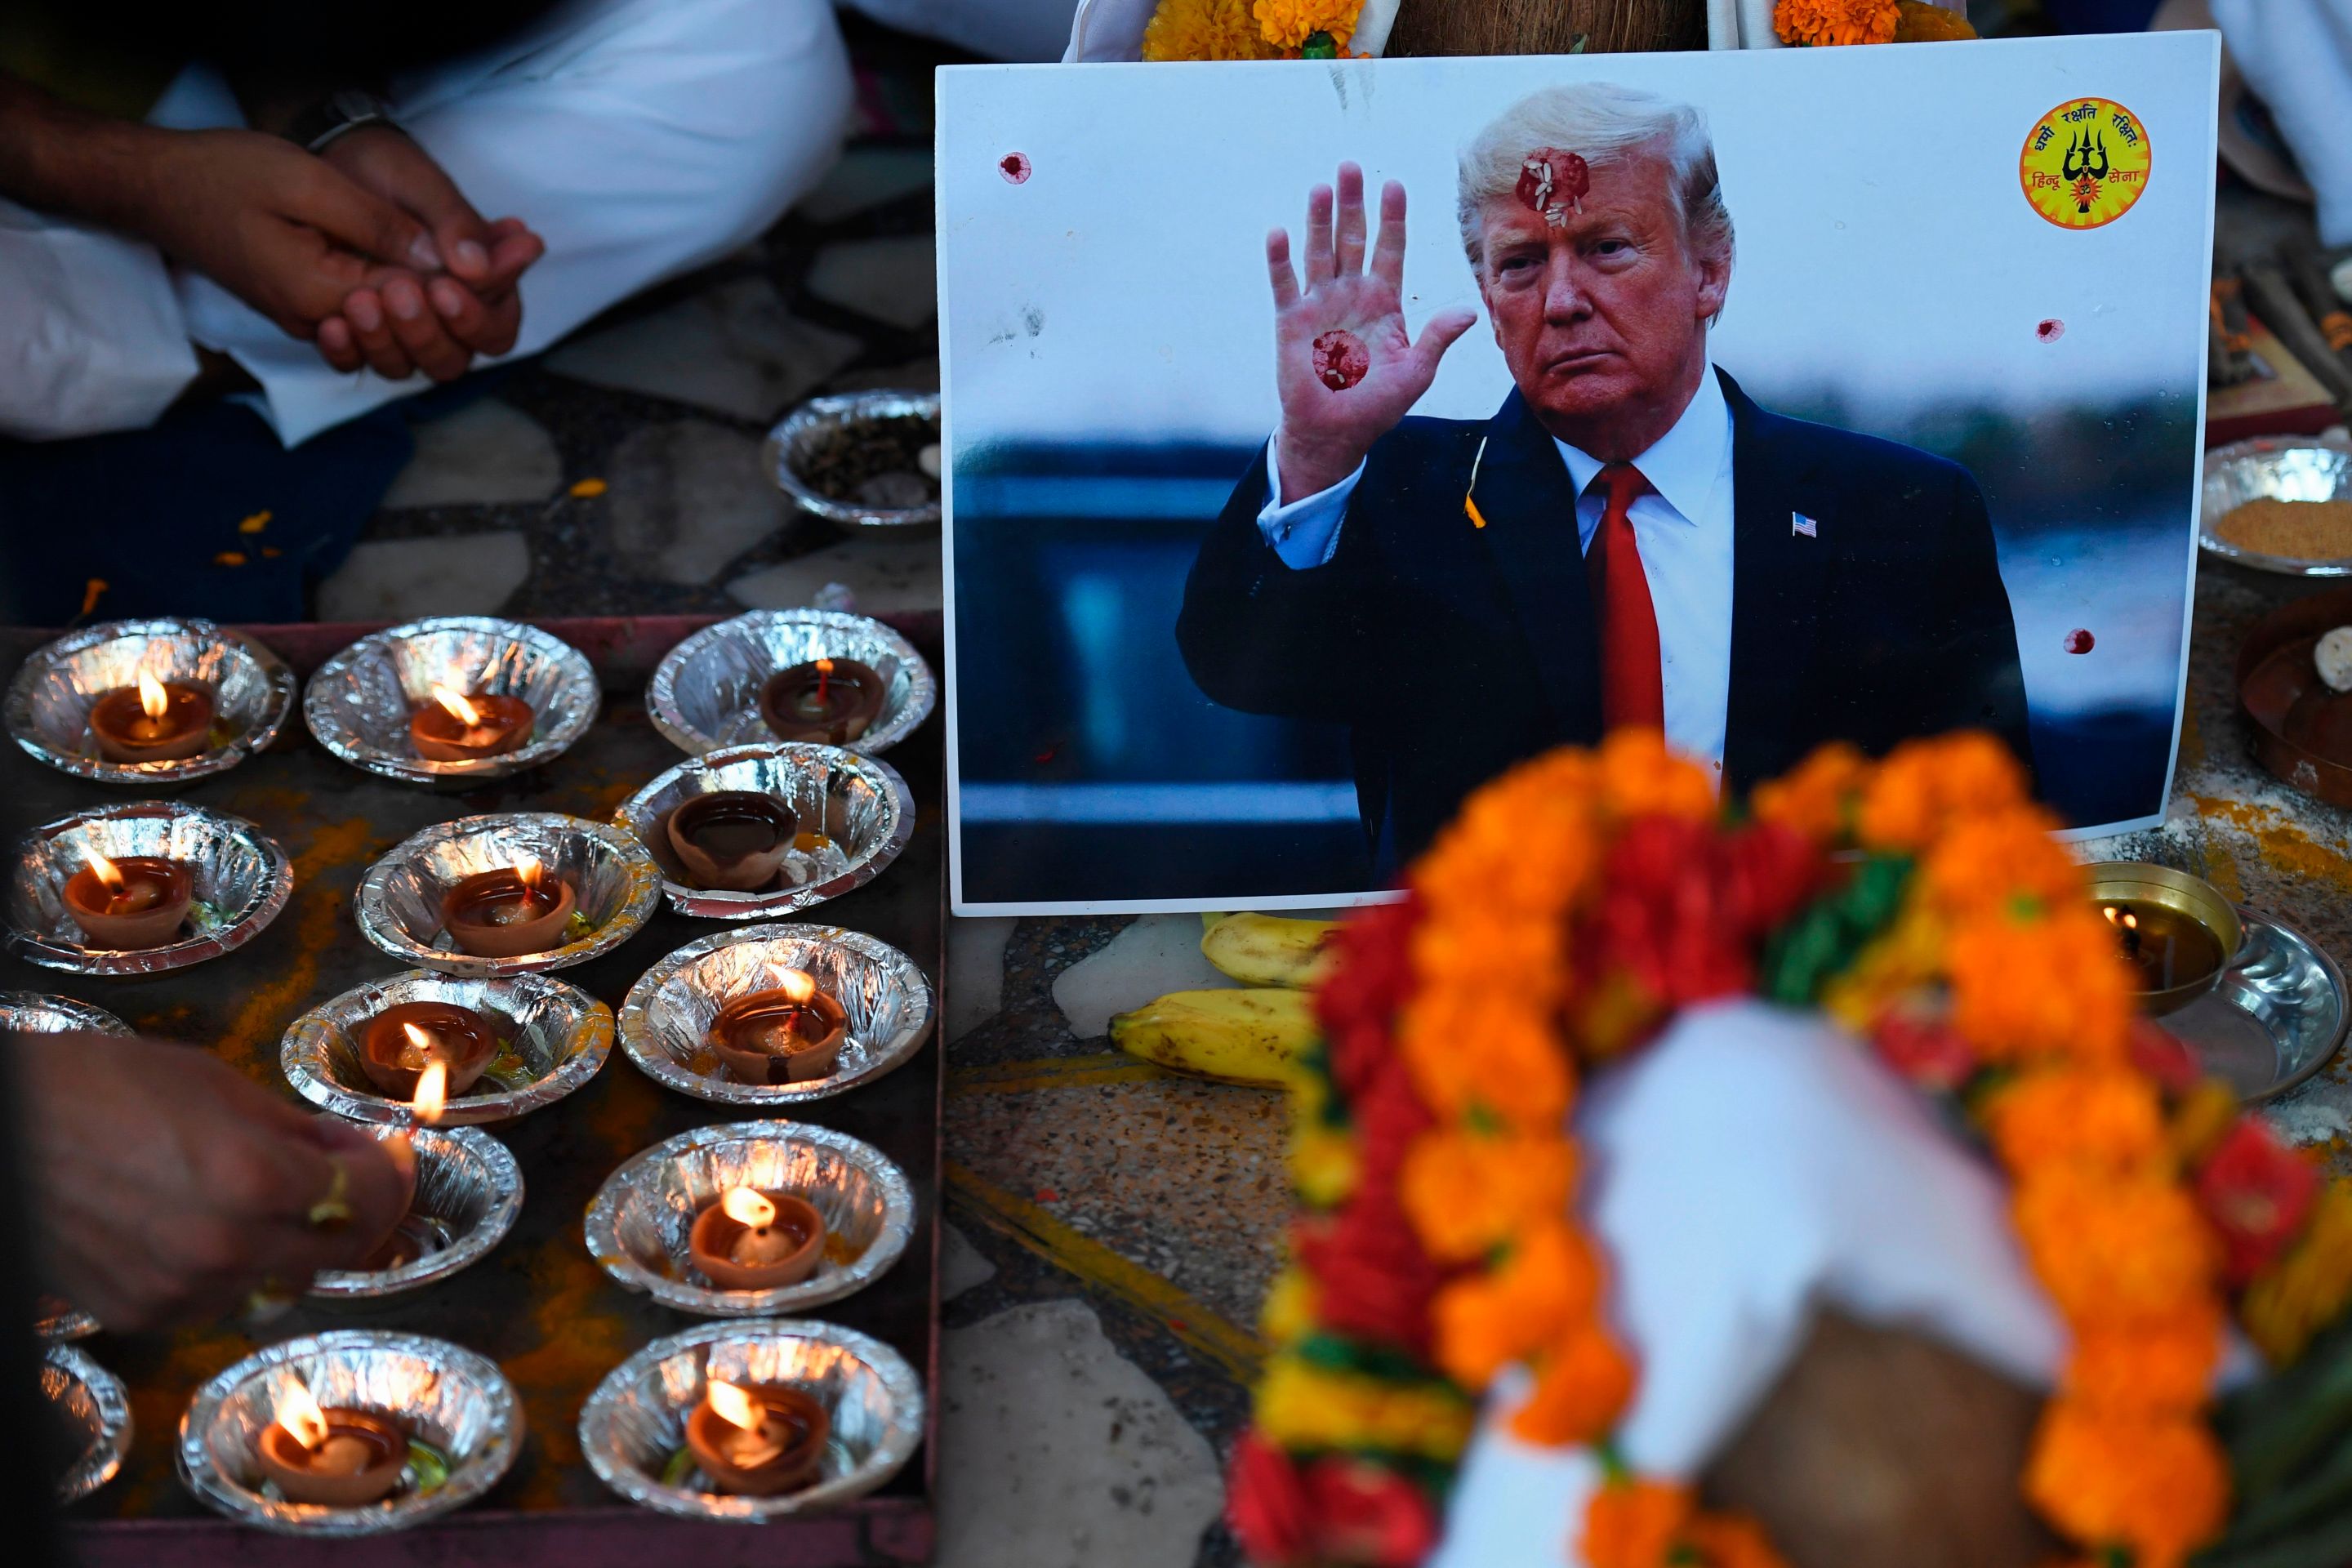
(242, 879)
(90, 1403)
(632, 1427)
(704, 694)
(860, 803)
(2299, 468)
(399, 900)
(359, 703)
(559, 1037)
(637, 1225)
(446, 1396)
(666, 1022)
(469, 1193)
(39, 1013)
(48, 702)
(57, 1321)
(807, 429)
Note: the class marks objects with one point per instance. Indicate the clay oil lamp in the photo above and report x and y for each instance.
(139, 901)
(831, 701)
(731, 840)
(331, 1458)
(458, 727)
(750, 1240)
(423, 1111)
(761, 1440)
(152, 721)
(792, 1033)
(506, 914)
(401, 1040)
(2177, 931)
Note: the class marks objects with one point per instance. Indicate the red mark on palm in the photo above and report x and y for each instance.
(1340, 360)
(1552, 182)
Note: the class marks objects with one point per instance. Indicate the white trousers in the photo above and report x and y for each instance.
(639, 138)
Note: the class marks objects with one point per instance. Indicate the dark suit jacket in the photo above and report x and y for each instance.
(1453, 652)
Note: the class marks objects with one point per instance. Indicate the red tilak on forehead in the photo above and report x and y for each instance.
(1551, 182)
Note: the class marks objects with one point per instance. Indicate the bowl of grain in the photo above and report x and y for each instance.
(2281, 504)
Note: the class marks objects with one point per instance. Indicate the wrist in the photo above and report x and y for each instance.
(59, 159)
(1310, 467)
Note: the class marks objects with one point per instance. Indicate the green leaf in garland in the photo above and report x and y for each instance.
(1824, 942)
(1319, 47)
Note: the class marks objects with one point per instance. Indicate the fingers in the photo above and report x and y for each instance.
(1319, 236)
(333, 202)
(363, 308)
(513, 248)
(1278, 270)
(1438, 336)
(1350, 231)
(338, 345)
(1388, 250)
(419, 331)
(483, 329)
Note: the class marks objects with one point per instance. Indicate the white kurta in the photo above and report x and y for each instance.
(640, 138)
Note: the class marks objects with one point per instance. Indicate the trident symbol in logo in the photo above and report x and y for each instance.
(2080, 168)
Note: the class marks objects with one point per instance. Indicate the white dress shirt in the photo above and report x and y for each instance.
(1683, 526)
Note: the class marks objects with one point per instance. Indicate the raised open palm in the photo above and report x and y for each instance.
(1344, 366)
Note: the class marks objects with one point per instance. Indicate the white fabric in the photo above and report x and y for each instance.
(1683, 529)
(2296, 57)
(90, 336)
(639, 138)
(1751, 1166)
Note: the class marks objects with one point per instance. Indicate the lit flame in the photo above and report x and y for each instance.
(2122, 918)
(824, 666)
(300, 1414)
(461, 710)
(745, 1206)
(104, 867)
(153, 698)
(734, 1407)
(432, 1091)
(529, 872)
(796, 986)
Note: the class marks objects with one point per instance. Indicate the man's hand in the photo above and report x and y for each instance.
(167, 1186)
(286, 232)
(1344, 366)
(399, 321)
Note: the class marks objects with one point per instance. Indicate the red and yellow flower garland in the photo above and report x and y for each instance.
(1576, 904)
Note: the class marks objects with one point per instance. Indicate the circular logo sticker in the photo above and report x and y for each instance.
(2085, 164)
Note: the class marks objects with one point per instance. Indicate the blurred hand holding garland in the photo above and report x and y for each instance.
(1575, 905)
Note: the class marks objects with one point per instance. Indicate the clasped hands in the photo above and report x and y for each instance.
(366, 249)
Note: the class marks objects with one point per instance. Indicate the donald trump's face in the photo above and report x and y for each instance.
(1601, 313)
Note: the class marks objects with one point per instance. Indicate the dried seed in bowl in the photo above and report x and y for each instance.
(2292, 530)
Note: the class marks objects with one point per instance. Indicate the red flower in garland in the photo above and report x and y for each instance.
(2257, 1192)
(1373, 1280)
(1265, 1503)
(1369, 983)
(2162, 1055)
(1928, 1051)
(1366, 1514)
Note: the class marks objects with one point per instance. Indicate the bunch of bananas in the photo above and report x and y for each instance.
(1246, 1036)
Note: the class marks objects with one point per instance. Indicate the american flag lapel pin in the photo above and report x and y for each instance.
(1803, 527)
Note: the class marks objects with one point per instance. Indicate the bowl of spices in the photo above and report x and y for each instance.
(870, 460)
(2279, 504)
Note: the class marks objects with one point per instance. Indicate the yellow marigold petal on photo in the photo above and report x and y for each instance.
(2145, 1370)
(2309, 1288)
(1826, 22)
(1468, 1193)
(1917, 22)
(1287, 1315)
(589, 489)
(1819, 796)
(257, 523)
(2159, 1487)
(229, 558)
(1924, 785)
(2115, 1249)
(1300, 1405)
(1204, 30)
(1289, 23)
(1641, 777)
(2052, 986)
(1582, 1387)
(2107, 1115)
(1634, 1524)
(1484, 1322)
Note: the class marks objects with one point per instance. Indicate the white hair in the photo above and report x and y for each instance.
(1603, 124)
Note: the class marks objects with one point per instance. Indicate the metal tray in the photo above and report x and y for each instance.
(2287, 468)
(2276, 1017)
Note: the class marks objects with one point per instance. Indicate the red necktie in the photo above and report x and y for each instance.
(1632, 690)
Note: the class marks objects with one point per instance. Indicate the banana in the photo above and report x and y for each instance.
(1234, 1036)
(1266, 950)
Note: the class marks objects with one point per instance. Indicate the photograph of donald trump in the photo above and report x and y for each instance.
(1630, 539)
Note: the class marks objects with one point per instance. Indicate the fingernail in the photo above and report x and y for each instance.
(472, 257)
(421, 251)
(333, 333)
(405, 301)
(364, 312)
(447, 298)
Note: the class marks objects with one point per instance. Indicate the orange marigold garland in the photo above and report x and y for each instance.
(1572, 909)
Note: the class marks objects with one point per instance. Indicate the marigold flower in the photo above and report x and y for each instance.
(2157, 1487)
(1835, 21)
(1730, 1541)
(2163, 1368)
(2104, 1115)
(2307, 1290)
(2114, 1248)
(1924, 1049)
(1923, 785)
(1634, 1524)
(2042, 987)
(1819, 797)
(1640, 778)
(1582, 1387)
(1917, 22)
(1468, 1193)
(1288, 1314)
(1369, 1514)
(1204, 30)
(1265, 1503)
(1289, 23)
(1983, 865)
(2257, 1192)
(1302, 1405)
(1486, 1320)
